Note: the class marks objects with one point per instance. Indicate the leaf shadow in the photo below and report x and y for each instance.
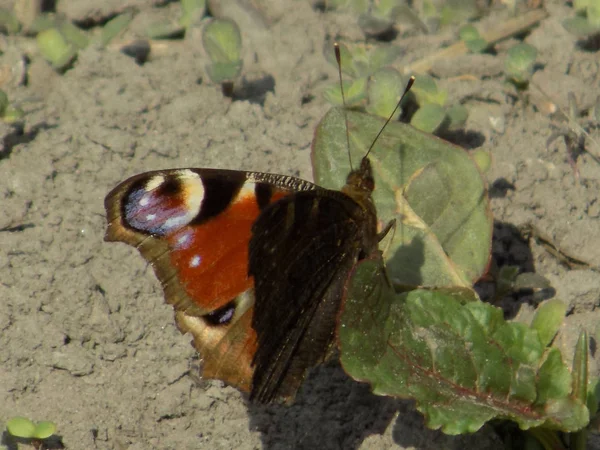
(410, 432)
(254, 91)
(509, 248)
(414, 252)
(54, 442)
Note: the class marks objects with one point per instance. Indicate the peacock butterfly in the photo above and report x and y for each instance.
(254, 264)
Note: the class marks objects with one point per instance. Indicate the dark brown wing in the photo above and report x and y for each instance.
(301, 252)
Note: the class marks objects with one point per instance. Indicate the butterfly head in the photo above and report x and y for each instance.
(360, 181)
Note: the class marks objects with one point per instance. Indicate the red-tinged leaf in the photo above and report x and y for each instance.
(456, 356)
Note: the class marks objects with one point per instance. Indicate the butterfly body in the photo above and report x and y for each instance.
(254, 264)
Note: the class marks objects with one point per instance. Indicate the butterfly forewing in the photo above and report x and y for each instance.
(193, 226)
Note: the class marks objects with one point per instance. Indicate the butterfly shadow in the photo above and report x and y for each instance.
(331, 411)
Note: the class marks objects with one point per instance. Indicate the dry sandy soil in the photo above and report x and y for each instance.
(85, 338)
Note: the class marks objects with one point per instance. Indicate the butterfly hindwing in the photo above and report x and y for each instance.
(301, 252)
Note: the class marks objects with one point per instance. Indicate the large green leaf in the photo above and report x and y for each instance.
(455, 355)
(430, 187)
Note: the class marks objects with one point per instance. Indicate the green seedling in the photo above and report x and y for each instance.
(354, 6)
(191, 12)
(223, 43)
(74, 35)
(35, 434)
(509, 280)
(425, 90)
(428, 117)
(519, 64)
(433, 115)
(384, 90)
(355, 93)
(482, 158)
(373, 86)
(367, 78)
(361, 60)
(587, 21)
(8, 113)
(458, 11)
(574, 128)
(472, 39)
(380, 16)
(42, 22)
(9, 24)
(59, 40)
(548, 319)
(56, 49)
(114, 27)
(450, 12)
(456, 116)
(165, 30)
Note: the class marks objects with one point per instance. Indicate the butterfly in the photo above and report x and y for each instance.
(254, 264)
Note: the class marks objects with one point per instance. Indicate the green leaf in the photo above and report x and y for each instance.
(225, 71)
(593, 14)
(519, 62)
(3, 102)
(426, 91)
(164, 30)
(13, 114)
(362, 60)
(581, 5)
(21, 427)
(9, 22)
(385, 88)
(457, 11)
(55, 49)
(382, 56)
(355, 6)
(191, 12)
(43, 22)
(472, 39)
(432, 188)
(580, 26)
(554, 378)
(114, 27)
(45, 429)
(457, 116)
(580, 367)
(548, 319)
(355, 92)
(74, 35)
(345, 58)
(458, 358)
(428, 117)
(483, 159)
(222, 41)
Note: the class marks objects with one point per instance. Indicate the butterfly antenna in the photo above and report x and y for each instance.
(406, 89)
(338, 58)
